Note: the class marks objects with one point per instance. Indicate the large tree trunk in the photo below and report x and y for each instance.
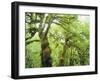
(45, 48)
(45, 53)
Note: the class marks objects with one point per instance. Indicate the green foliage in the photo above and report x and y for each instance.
(68, 39)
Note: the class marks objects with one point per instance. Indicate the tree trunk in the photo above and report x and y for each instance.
(61, 62)
(45, 53)
(45, 48)
(62, 57)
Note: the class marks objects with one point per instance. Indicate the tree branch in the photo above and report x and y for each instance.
(28, 42)
(51, 18)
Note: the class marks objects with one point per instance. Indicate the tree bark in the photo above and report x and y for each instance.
(46, 59)
(45, 54)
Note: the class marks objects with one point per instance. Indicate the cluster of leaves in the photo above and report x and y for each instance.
(68, 39)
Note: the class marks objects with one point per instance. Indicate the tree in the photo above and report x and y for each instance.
(44, 21)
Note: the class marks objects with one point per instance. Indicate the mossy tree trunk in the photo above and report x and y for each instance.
(44, 27)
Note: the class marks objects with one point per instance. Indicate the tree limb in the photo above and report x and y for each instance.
(28, 42)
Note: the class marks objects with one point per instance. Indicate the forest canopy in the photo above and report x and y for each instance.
(55, 40)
